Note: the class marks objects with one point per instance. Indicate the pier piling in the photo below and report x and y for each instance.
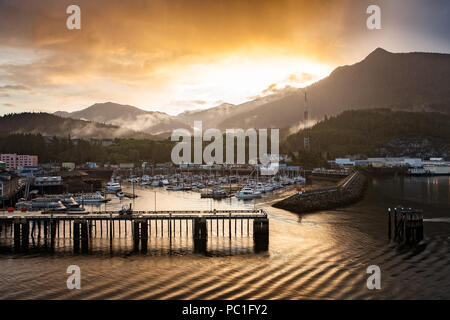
(261, 234)
(76, 236)
(84, 236)
(25, 233)
(200, 234)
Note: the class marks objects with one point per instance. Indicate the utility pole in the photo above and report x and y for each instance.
(306, 139)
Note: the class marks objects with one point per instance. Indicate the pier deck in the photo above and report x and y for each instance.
(22, 226)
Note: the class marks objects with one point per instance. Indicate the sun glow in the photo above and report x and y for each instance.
(236, 79)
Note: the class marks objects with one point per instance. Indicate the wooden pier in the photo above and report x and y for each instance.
(140, 226)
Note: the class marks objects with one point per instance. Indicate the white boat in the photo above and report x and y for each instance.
(156, 183)
(70, 202)
(113, 186)
(165, 182)
(247, 193)
(260, 187)
(120, 194)
(300, 179)
(91, 198)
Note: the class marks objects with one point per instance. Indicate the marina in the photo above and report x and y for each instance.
(332, 246)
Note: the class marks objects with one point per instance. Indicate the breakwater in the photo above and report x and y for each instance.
(350, 190)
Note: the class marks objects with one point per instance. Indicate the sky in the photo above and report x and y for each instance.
(178, 55)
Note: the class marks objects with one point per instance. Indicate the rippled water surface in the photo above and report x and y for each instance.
(312, 256)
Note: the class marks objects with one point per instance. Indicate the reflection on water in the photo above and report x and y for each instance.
(317, 255)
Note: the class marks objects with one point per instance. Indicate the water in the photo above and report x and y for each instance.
(322, 255)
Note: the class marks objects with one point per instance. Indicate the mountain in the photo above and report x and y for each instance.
(52, 125)
(399, 81)
(377, 132)
(210, 117)
(215, 117)
(127, 117)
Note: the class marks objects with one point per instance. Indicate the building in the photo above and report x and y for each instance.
(9, 186)
(378, 162)
(92, 165)
(13, 161)
(68, 166)
(2, 165)
(107, 142)
(345, 162)
(47, 181)
(126, 165)
(30, 171)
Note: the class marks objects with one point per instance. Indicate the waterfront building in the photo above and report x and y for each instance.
(126, 165)
(9, 186)
(68, 166)
(13, 161)
(92, 165)
(30, 171)
(345, 162)
(47, 181)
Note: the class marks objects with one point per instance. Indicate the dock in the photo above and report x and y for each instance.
(408, 225)
(20, 228)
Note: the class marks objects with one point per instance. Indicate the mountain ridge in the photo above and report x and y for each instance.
(52, 125)
(414, 81)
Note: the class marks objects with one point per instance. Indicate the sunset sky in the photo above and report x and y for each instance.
(174, 55)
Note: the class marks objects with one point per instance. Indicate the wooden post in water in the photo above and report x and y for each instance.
(136, 235)
(52, 232)
(395, 223)
(229, 224)
(90, 228)
(76, 236)
(25, 233)
(45, 229)
(200, 234)
(261, 234)
(39, 230)
(84, 236)
(16, 226)
(169, 228)
(144, 235)
(389, 224)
